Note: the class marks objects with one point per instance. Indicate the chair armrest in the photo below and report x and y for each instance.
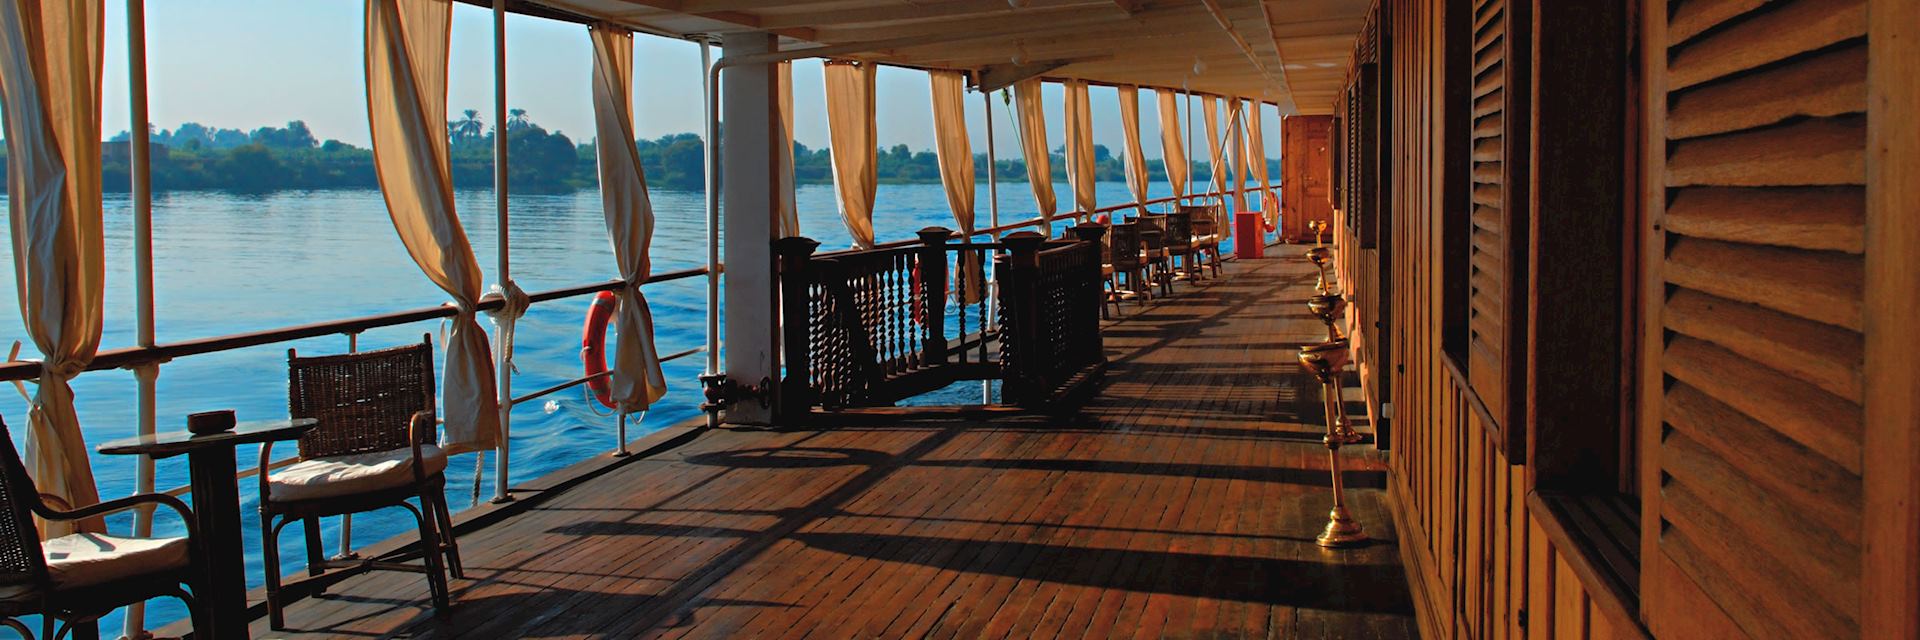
(41, 509)
(421, 425)
(266, 458)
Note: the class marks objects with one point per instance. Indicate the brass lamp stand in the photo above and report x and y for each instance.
(1325, 360)
(1326, 307)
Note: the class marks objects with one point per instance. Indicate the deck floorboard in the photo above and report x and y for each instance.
(1179, 501)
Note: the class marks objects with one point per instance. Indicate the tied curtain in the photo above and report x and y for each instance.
(1079, 150)
(1136, 160)
(1257, 156)
(407, 108)
(789, 211)
(850, 130)
(637, 379)
(1172, 153)
(50, 83)
(955, 153)
(1033, 148)
(1217, 166)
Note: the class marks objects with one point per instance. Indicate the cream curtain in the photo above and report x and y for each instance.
(1217, 167)
(1136, 160)
(50, 84)
(1257, 158)
(1079, 149)
(407, 108)
(851, 131)
(1172, 153)
(956, 170)
(637, 380)
(789, 211)
(1033, 147)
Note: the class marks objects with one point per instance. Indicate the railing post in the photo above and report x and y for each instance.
(1017, 285)
(1089, 231)
(796, 387)
(933, 294)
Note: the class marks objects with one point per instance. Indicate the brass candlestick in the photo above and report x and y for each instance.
(1319, 229)
(1320, 256)
(1325, 360)
(1326, 307)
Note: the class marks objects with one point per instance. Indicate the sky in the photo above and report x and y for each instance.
(243, 64)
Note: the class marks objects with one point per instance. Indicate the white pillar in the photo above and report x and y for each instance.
(134, 624)
(713, 215)
(749, 113)
(504, 275)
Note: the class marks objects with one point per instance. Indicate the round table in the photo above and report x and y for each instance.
(222, 591)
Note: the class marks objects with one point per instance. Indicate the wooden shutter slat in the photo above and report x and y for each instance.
(1487, 173)
(1486, 219)
(1486, 150)
(1819, 151)
(1830, 84)
(1751, 551)
(1692, 17)
(1822, 421)
(1811, 483)
(1794, 28)
(1817, 218)
(1821, 286)
(1822, 355)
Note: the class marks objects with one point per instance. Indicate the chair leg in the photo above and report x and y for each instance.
(270, 559)
(431, 556)
(449, 540)
(316, 550)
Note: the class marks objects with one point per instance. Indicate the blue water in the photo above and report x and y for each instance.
(227, 263)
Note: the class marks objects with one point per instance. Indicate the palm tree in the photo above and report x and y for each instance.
(470, 126)
(517, 119)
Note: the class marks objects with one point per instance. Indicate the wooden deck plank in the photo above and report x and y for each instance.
(1181, 500)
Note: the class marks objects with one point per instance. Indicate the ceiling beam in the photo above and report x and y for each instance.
(995, 77)
(1226, 24)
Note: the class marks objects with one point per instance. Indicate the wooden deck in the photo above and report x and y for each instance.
(1181, 502)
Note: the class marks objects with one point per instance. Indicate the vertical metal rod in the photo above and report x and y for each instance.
(708, 86)
(134, 625)
(993, 221)
(1189, 140)
(620, 448)
(346, 521)
(505, 271)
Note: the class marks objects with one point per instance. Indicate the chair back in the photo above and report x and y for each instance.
(1153, 234)
(1125, 246)
(364, 401)
(23, 568)
(1179, 230)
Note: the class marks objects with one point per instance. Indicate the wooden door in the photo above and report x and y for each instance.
(1305, 175)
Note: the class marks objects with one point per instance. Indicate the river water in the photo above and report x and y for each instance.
(229, 263)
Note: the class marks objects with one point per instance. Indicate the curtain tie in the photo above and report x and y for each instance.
(514, 305)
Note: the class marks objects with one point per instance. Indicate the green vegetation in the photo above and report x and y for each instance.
(197, 157)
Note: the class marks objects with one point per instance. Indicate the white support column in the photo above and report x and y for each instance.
(993, 220)
(750, 110)
(713, 216)
(146, 376)
(504, 274)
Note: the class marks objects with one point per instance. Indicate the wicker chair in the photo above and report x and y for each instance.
(1206, 235)
(1179, 242)
(1125, 257)
(374, 449)
(73, 580)
(1159, 263)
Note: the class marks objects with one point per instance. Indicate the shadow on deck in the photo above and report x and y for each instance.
(1181, 501)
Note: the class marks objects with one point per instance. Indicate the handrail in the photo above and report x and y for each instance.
(129, 357)
(1034, 222)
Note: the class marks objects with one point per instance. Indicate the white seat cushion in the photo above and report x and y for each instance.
(354, 474)
(1206, 239)
(87, 559)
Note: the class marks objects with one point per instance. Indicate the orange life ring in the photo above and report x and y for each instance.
(593, 346)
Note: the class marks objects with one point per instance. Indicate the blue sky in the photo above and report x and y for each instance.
(249, 63)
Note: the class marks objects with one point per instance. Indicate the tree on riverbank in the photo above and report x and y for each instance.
(198, 157)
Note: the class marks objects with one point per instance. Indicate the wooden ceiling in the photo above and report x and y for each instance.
(1292, 53)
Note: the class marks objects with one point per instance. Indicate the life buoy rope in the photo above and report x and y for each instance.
(593, 346)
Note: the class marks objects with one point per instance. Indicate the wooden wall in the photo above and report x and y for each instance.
(1778, 229)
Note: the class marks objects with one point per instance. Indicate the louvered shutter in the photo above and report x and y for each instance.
(1499, 155)
(1756, 345)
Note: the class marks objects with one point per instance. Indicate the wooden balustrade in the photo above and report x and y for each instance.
(870, 328)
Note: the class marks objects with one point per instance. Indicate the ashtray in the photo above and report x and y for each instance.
(209, 422)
